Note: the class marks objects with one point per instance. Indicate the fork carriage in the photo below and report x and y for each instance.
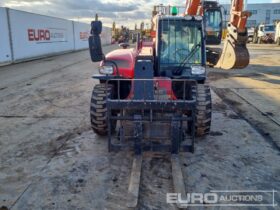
(151, 124)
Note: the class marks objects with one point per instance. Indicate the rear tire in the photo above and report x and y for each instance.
(203, 110)
(98, 109)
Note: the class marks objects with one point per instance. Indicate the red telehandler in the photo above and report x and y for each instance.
(154, 98)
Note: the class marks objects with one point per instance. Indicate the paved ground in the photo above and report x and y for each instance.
(254, 92)
(50, 159)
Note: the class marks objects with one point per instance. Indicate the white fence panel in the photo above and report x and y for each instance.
(106, 36)
(81, 34)
(5, 49)
(37, 35)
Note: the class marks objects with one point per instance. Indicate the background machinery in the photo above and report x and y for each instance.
(277, 33)
(235, 53)
(153, 97)
(264, 33)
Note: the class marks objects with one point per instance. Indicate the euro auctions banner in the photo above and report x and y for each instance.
(5, 50)
(81, 34)
(36, 35)
(25, 36)
(48, 35)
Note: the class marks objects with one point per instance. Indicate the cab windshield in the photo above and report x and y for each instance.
(213, 20)
(180, 43)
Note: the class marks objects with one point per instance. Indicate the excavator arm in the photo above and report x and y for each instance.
(235, 53)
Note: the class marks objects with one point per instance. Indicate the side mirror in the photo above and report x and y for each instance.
(95, 47)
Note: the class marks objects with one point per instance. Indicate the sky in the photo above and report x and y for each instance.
(123, 12)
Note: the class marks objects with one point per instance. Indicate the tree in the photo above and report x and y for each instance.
(142, 26)
(135, 26)
(114, 26)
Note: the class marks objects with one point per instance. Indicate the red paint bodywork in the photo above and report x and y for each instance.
(125, 59)
(160, 83)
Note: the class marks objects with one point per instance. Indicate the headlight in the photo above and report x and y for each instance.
(198, 69)
(106, 70)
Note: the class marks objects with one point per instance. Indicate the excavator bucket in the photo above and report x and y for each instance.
(233, 56)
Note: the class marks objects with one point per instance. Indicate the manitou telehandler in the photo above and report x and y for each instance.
(154, 97)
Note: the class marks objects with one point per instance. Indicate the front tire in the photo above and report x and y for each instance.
(98, 109)
(203, 110)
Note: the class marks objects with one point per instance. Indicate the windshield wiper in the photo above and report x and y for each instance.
(178, 71)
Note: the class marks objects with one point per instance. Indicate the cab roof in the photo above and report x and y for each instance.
(187, 17)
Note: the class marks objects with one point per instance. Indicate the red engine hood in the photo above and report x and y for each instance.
(125, 59)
